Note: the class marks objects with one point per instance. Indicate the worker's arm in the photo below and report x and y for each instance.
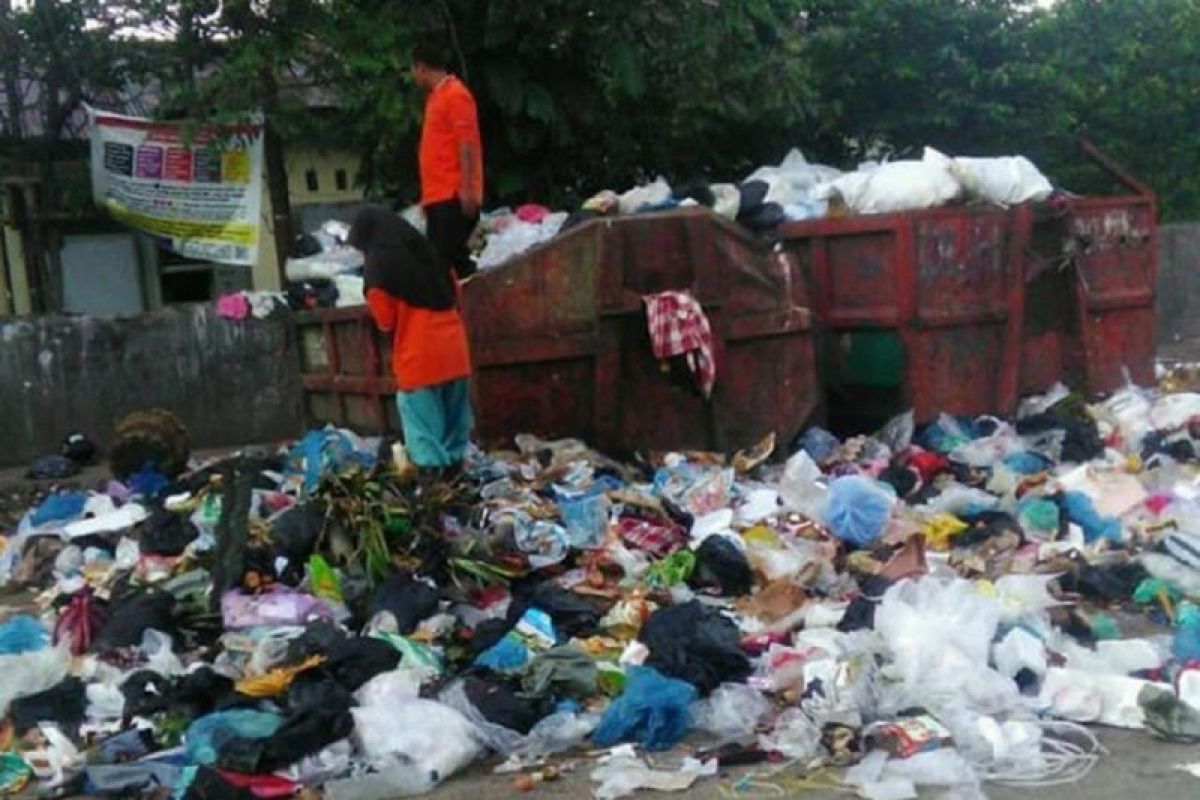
(464, 122)
(466, 191)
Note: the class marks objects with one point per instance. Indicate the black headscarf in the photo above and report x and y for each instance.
(400, 261)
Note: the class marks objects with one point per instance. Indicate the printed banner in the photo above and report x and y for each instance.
(198, 190)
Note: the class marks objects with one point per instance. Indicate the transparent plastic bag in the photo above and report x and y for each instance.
(731, 713)
(858, 510)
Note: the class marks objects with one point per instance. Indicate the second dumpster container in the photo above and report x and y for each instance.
(560, 342)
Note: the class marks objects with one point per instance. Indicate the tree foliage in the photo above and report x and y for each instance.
(579, 96)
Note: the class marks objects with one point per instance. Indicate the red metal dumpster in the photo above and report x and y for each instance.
(989, 304)
(560, 345)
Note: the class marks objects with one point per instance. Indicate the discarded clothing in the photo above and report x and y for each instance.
(679, 327)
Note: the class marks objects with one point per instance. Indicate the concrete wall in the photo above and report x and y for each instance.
(230, 382)
(1179, 283)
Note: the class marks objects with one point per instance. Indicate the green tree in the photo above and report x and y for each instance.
(1126, 75)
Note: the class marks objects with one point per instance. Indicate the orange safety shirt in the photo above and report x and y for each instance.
(450, 121)
(428, 347)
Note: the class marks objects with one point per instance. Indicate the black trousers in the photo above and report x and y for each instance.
(449, 230)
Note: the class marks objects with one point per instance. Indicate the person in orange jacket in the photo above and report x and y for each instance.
(450, 156)
(413, 295)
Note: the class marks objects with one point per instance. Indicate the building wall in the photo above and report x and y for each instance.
(231, 383)
(1179, 283)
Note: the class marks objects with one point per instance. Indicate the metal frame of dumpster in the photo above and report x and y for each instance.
(560, 345)
(990, 304)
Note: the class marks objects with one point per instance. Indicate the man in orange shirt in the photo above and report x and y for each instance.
(451, 159)
(413, 295)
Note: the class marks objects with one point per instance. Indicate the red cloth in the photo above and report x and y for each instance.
(429, 348)
(928, 464)
(260, 785)
(657, 539)
(678, 327)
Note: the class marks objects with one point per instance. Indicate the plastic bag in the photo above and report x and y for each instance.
(1006, 180)
(22, 634)
(795, 736)
(432, 739)
(586, 520)
(731, 713)
(800, 489)
(639, 197)
(105, 702)
(322, 580)
(939, 633)
(157, 649)
(207, 735)
(858, 510)
(896, 186)
(623, 773)
(695, 644)
(653, 710)
(31, 673)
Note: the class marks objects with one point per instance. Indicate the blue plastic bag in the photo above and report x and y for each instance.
(586, 520)
(324, 451)
(654, 711)
(59, 507)
(858, 510)
(206, 735)
(1186, 644)
(1080, 510)
(22, 634)
(819, 443)
(1025, 462)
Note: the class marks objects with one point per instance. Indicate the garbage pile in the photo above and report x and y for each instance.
(928, 606)
(794, 190)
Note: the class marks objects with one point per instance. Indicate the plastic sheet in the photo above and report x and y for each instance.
(654, 711)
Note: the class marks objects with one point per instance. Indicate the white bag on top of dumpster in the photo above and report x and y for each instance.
(896, 186)
(794, 180)
(1008, 180)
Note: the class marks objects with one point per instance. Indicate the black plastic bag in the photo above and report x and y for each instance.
(51, 468)
(166, 534)
(316, 688)
(501, 705)
(407, 599)
(860, 615)
(721, 564)
(132, 615)
(79, 448)
(695, 644)
(304, 733)
(354, 661)
(320, 636)
(1113, 582)
(146, 692)
(200, 691)
(294, 536)
(64, 703)
(572, 615)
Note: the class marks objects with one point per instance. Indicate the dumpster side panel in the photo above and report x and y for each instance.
(1117, 264)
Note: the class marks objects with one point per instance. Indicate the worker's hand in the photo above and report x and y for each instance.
(470, 205)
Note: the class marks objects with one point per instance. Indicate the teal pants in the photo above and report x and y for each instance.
(437, 423)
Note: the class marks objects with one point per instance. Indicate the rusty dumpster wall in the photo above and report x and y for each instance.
(230, 382)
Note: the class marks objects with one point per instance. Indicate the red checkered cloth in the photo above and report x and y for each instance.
(678, 327)
(659, 539)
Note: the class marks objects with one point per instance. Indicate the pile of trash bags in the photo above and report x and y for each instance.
(933, 605)
(793, 191)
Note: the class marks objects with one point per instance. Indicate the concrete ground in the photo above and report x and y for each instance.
(1137, 766)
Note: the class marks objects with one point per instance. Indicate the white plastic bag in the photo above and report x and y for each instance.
(800, 487)
(639, 197)
(431, 737)
(390, 688)
(727, 200)
(940, 635)
(795, 736)
(622, 773)
(731, 713)
(32, 672)
(1007, 180)
(896, 186)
